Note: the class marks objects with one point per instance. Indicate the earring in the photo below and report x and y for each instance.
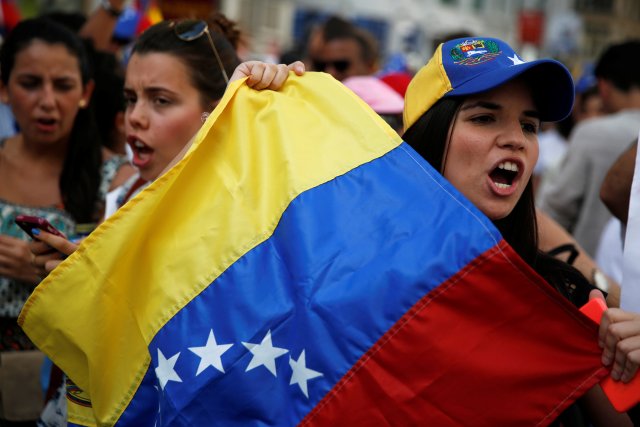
(82, 103)
(204, 116)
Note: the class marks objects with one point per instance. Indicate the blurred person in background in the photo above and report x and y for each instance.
(54, 168)
(380, 97)
(572, 198)
(554, 137)
(342, 49)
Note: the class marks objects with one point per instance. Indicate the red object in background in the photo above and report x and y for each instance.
(10, 15)
(530, 24)
(191, 9)
(398, 81)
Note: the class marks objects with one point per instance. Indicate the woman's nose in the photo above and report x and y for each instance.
(513, 138)
(47, 97)
(136, 116)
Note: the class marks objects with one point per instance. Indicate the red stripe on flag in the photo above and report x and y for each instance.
(494, 345)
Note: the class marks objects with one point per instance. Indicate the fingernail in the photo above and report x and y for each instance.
(615, 375)
(35, 231)
(606, 360)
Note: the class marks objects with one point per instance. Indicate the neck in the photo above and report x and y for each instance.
(633, 99)
(55, 152)
(626, 100)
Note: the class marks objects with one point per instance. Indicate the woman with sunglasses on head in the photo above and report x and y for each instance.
(474, 112)
(177, 73)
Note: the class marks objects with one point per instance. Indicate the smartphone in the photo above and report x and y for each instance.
(28, 223)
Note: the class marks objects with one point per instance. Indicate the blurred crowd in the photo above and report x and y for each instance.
(67, 152)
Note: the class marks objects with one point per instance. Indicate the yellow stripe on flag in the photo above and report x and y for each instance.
(97, 312)
(154, 13)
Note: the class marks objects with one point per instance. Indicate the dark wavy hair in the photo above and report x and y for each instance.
(81, 172)
(429, 137)
(196, 54)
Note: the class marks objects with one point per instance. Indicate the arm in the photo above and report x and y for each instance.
(616, 187)
(101, 23)
(17, 261)
(551, 235)
(600, 411)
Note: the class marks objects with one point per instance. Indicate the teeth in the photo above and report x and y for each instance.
(510, 166)
(138, 144)
(501, 185)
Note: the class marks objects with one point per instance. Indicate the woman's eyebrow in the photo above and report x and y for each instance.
(493, 106)
(482, 104)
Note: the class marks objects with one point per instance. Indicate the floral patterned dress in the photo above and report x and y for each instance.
(14, 293)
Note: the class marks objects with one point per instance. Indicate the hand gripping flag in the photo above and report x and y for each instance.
(302, 265)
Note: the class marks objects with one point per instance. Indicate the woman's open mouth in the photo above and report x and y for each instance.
(46, 124)
(505, 174)
(505, 177)
(142, 153)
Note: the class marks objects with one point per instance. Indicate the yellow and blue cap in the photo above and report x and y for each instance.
(468, 66)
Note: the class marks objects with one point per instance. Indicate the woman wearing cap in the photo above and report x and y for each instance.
(473, 112)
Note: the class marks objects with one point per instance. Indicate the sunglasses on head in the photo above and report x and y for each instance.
(190, 30)
(340, 65)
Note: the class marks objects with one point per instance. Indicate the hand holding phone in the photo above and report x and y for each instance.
(28, 223)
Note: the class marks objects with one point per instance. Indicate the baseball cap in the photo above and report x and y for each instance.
(468, 66)
(379, 95)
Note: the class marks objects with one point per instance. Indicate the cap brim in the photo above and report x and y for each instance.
(552, 86)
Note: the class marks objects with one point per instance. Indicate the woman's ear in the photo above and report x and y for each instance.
(4, 93)
(86, 93)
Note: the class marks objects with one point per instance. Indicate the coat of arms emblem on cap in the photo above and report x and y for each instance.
(473, 52)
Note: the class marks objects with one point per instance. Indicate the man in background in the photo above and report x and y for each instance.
(572, 198)
(342, 49)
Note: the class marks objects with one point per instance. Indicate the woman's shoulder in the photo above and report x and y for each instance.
(116, 170)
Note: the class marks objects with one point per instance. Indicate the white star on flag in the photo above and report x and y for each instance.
(516, 60)
(264, 354)
(165, 370)
(210, 354)
(301, 374)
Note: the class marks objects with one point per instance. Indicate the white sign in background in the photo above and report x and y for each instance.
(630, 297)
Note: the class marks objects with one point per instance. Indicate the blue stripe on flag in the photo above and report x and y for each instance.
(346, 261)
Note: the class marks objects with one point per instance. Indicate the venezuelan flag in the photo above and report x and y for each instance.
(303, 265)
(150, 14)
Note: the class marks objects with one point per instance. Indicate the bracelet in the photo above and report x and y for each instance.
(108, 7)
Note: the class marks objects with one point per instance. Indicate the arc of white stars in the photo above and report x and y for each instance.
(210, 354)
(166, 369)
(516, 60)
(301, 374)
(264, 354)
